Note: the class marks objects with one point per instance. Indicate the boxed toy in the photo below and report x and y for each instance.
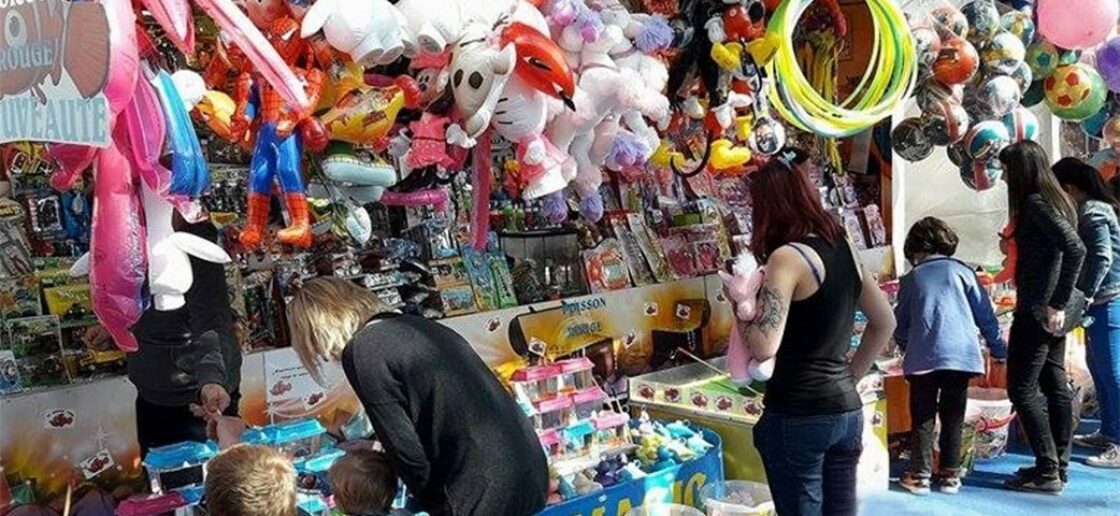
(19, 297)
(37, 348)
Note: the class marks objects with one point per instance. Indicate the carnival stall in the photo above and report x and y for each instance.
(557, 180)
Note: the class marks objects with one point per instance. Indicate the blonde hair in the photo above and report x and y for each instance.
(362, 482)
(248, 480)
(324, 314)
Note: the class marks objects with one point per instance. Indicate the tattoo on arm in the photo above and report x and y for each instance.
(770, 311)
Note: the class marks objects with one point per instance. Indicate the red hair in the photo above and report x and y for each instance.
(786, 206)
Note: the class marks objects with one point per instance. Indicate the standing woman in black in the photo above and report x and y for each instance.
(1050, 256)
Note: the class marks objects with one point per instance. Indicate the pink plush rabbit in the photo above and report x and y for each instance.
(742, 287)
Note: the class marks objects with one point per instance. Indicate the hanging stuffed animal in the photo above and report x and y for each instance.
(372, 32)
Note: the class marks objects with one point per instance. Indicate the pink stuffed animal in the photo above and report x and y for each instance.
(742, 287)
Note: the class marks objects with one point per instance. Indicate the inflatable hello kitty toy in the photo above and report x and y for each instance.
(742, 286)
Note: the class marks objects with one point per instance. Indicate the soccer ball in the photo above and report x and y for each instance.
(981, 175)
(1042, 58)
(1075, 92)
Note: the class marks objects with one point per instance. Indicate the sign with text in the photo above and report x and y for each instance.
(54, 64)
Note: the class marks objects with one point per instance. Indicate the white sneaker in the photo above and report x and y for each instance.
(1109, 459)
(1094, 440)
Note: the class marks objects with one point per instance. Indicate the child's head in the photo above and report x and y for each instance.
(927, 237)
(363, 482)
(251, 481)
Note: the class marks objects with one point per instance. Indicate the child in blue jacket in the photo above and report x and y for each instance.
(941, 309)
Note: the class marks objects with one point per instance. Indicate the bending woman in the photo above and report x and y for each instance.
(1099, 228)
(452, 432)
(810, 436)
(1049, 260)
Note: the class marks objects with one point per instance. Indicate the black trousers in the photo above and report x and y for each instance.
(1039, 390)
(936, 394)
(157, 425)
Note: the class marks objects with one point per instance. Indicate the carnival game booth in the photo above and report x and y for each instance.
(555, 180)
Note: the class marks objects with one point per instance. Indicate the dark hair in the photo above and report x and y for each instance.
(1077, 173)
(930, 235)
(786, 206)
(1028, 172)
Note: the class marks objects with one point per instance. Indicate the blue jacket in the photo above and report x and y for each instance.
(1100, 231)
(940, 308)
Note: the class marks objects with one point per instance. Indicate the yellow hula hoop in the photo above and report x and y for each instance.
(888, 80)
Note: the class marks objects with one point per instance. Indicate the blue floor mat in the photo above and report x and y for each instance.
(1091, 491)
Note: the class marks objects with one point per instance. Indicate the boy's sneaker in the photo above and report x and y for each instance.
(1109, 459)
(1094, 440)
(913, 483)
(949, 485)
(1063, 474)
(1034, 482)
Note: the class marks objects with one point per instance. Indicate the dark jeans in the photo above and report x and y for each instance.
(1104, 364)
(811, 461)
(1039, 390)
(936, 394)
(157, 425)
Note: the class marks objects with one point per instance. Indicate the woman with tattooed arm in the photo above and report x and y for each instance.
(810, 435)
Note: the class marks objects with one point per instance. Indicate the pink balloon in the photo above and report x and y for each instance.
(176, 19)
(1076, 24)
(124, 56)
(256, 47)
(118, 262)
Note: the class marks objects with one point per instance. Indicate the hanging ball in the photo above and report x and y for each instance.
(1001, 94)
(956, 63)
(1042, 58)
(1075, 92)
(949, 22)
(1035, 94)
(957, 153)
(983, 20)
(1004, 53)
(767, 137)
(909, 140)
(948, 124)
(1023, 76)
(981, 175)
(1108, 63)
(927, 44)
(1111, 132)
(986, 139)
(1021, 125)
(931, 92)
(1020, 24)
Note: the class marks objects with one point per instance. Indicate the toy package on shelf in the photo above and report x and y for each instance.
(9, 368)
(19, 297)
(606, 267)
(36, 345)
(640, 271)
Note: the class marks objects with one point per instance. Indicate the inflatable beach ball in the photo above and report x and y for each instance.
(986, 140)
(1000, 95)
(981, 175)
(1042, 58)
(909, 140)
(1020, 24)
(1075, 92)
(1004, 53)
(1021, 125)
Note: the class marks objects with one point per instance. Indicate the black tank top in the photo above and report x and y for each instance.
(811, 375)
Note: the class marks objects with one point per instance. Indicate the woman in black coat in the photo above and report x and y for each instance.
(452, 431)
